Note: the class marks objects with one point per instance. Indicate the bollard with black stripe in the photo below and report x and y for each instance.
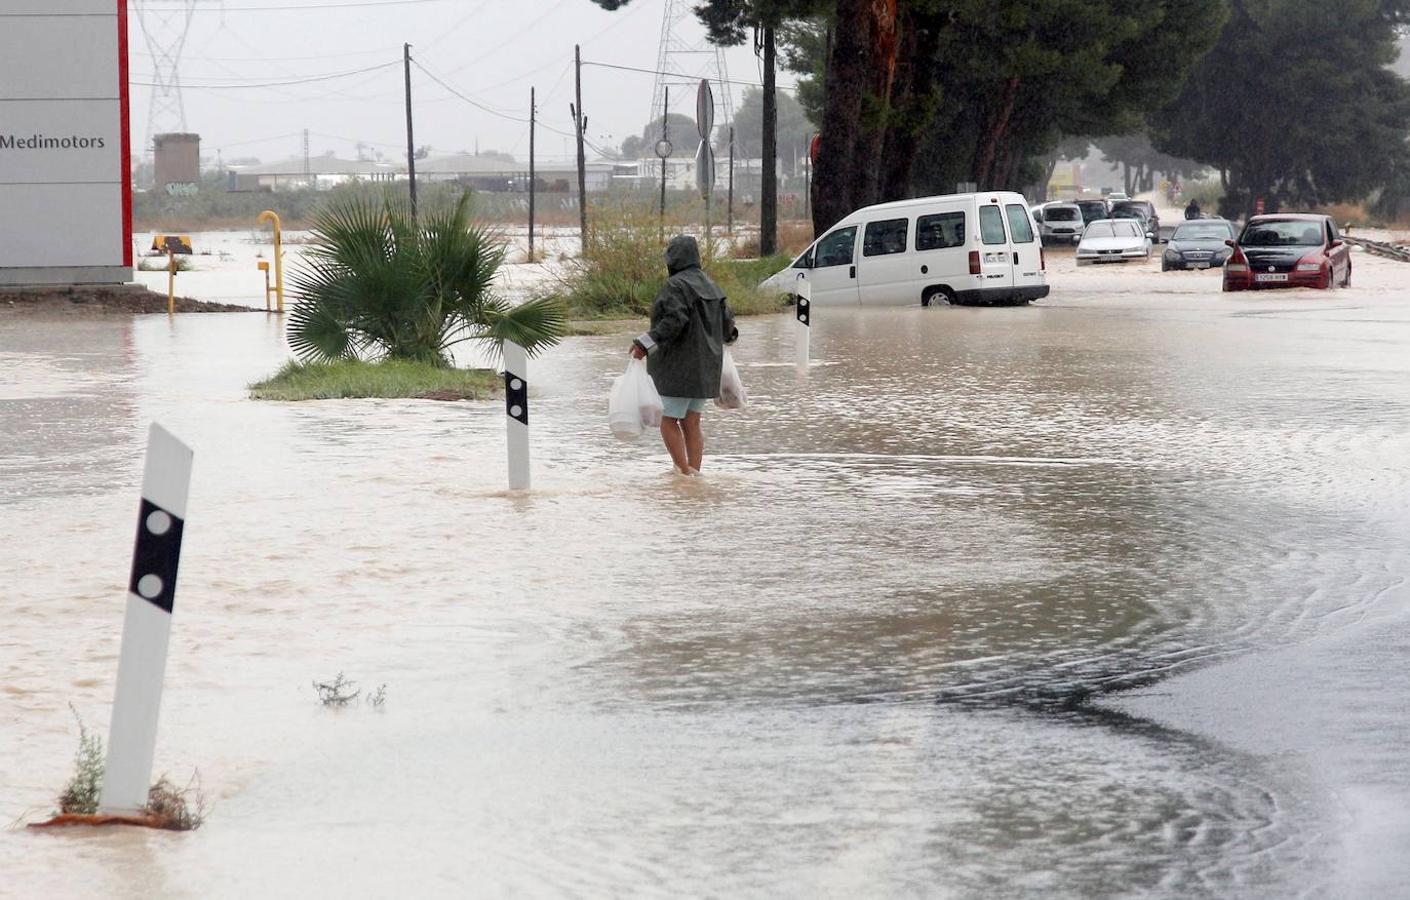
(516, 411)
(146, 629)
(803, 309)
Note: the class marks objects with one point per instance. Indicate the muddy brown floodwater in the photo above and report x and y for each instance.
(1102, 597)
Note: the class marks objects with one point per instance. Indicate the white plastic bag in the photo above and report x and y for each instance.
(634, 405)
(732, 393)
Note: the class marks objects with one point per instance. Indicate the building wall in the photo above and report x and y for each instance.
(178, 159)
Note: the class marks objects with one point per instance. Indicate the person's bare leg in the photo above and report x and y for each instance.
(674, 440)
(694, 440)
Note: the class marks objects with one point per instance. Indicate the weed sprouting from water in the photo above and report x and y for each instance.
(377, 697)
(338, 692)
(81, 793)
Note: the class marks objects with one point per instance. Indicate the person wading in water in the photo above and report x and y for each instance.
(684, 349)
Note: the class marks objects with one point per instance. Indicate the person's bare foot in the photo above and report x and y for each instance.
(694, 472)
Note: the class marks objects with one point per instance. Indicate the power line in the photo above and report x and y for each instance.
(603, 65)
(287, 8)
(269, 84)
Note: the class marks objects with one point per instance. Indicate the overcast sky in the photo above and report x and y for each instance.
(491, 51)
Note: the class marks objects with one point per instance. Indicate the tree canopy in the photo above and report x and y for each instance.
(1296, 109)
(793, 130)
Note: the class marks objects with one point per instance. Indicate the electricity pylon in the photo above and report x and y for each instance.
(681, 62)
(164, 29)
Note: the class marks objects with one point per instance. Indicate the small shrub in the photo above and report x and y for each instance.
(624, 270)
(377, 697)
(376, 282)
(81, 793)
(339, 692)
(174, 809)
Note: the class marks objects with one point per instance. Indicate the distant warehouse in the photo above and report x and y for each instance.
(482, 173)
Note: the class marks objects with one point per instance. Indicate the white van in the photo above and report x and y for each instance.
(961, 248)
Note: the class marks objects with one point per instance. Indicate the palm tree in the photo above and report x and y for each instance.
(375, 284)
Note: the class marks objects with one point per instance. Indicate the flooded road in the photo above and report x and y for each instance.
(1102, 597)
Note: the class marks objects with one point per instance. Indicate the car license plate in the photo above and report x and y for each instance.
(1201, 265)
(1279, 276)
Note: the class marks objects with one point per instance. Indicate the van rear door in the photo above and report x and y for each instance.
(996, 256)
(884, 270)
(1027, 248)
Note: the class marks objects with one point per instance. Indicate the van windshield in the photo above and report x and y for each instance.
(1061, 214)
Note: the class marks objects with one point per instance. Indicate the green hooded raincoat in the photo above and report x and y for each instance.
(690, 323)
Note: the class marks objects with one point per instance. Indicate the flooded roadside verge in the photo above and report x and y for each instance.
(853, 659)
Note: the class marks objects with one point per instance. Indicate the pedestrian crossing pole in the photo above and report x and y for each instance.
(516, 410)
(146, 630)
(803, 310)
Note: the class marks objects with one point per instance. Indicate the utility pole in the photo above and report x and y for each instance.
(410, 141)
(729, 222)
(665, 143)
(533, 116)
(580, 121)
(768, 190)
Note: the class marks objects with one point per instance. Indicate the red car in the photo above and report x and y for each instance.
(1288, 250)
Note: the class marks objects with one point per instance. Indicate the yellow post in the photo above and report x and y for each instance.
(170, 281)
(270, 215)
(264, 267)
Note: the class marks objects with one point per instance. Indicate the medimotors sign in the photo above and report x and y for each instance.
(65, 181)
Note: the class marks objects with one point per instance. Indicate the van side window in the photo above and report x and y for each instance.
(991, 225)
(805, 261)
(1019, 226)
(836, 249)
(940, 231)
(882, 238)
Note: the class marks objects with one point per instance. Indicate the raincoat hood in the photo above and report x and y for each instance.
(682, 253)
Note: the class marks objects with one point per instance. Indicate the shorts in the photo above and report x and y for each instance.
(677, 407)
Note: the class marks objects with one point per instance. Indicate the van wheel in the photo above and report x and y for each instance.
(934, 294)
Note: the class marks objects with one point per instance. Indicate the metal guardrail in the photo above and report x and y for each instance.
(1380, 248)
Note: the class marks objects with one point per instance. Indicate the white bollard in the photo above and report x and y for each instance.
(803, 309)
(516, 410)
(151, 593)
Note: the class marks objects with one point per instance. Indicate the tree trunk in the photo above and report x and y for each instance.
(912, 109)
(885, 46)
(984, 166)
(836, 177)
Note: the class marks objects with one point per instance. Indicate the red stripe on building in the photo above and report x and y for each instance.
(126, 120)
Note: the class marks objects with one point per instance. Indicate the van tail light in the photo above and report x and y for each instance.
(974, 267)
(1042, 260)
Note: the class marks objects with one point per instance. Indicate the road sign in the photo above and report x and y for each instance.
(705, 169)
(704, 110)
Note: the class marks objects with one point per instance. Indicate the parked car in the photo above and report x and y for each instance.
(1093, 210)
(1113, 240)
(1147, 211)
(1198, 244)
(1288, 250)
(960, 248)
(1061, 223)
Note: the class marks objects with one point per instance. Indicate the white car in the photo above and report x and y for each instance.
(978, 249)
(1113, 240)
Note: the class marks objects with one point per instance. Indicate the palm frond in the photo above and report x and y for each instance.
(536, 325)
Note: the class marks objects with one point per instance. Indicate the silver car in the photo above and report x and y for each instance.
(1060, 223)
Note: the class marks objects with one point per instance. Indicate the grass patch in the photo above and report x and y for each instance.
(161, 264)
(388, 379)
(624, 269)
